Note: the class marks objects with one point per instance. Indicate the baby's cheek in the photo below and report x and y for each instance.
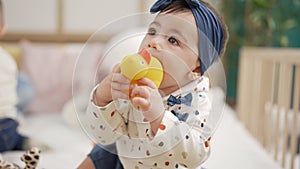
(175, 66)
(176, 73)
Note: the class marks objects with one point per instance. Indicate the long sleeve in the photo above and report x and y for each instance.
(8, 83)
(116, 119)
(106, 124)
(182, 140)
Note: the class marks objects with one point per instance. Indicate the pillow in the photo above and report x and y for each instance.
(50, 68)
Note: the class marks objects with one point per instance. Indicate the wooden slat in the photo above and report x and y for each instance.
(268, 98)
(278, 115)
(143, 8)
(60, 21)
(54, 37)
(256, 99)
(286, 97)
(294, 130)
(244, 95)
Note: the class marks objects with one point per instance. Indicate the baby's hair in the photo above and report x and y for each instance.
(182, 6)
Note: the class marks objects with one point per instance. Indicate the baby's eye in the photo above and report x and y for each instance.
(151, 31)
(142, 63)
(173, 41)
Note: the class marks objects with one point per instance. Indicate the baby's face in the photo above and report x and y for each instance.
(173, 39)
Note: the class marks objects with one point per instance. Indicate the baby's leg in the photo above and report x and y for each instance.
(105, 158)
(10, 139)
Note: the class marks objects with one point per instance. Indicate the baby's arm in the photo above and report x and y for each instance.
(105, 121)
(146, 98)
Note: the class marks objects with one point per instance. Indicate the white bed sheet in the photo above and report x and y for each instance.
(232, 146)
(69, 144)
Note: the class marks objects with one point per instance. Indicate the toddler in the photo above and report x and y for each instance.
(10, 138)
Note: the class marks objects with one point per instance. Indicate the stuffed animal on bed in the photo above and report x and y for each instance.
(30, 158)
(140, 65)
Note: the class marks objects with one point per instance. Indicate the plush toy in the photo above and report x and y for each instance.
(30, 158)
(140, 65)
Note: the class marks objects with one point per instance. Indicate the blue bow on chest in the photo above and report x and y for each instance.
(187, 100)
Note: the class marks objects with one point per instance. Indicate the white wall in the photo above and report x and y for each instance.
(79, 16)
(89, 15)
(32, 16)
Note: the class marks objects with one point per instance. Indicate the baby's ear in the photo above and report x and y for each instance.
(196, 73)
(197, 70)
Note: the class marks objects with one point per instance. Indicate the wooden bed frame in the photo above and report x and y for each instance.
(268, 100)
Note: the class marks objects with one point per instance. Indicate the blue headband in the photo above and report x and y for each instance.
(210, 32)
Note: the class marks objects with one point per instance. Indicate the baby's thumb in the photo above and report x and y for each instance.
(116, 68)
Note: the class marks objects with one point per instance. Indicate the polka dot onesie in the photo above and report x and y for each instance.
(182, 140)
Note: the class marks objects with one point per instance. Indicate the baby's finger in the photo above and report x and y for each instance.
(141, 103)
(116, 68)
(147, 82)
(119, 78)
(141, 91)
(116, 94)
(120, 86)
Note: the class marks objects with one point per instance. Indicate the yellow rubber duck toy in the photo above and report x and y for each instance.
(142, 65)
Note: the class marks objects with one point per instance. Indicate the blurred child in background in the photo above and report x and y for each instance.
(10, 83)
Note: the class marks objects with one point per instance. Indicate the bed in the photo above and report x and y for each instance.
(232, 146)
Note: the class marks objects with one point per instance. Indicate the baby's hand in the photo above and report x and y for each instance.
(146, 98)
(112, 87)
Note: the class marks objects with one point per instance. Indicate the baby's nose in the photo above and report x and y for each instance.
(155, 44)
